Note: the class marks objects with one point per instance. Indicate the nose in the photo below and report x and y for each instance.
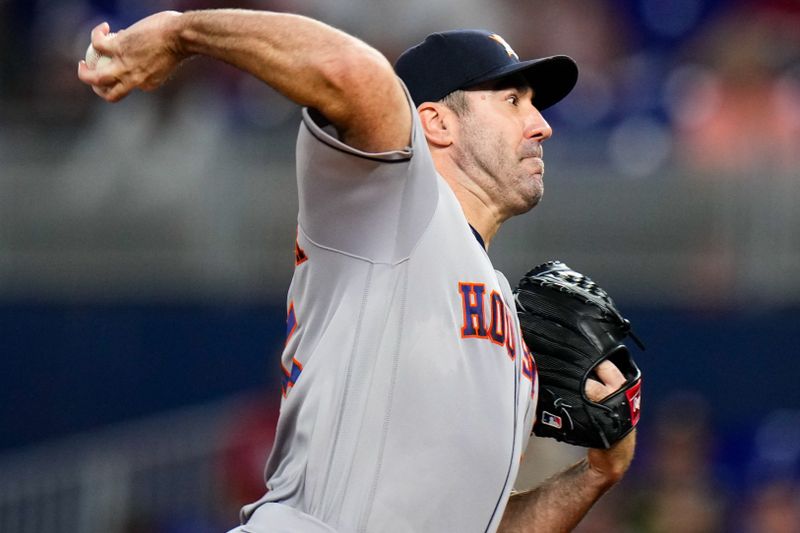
(536, 127)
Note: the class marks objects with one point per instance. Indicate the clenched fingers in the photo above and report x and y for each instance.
(609, 380)
(102, 38)
(103, 82)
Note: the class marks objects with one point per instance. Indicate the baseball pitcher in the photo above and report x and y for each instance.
(409, 387)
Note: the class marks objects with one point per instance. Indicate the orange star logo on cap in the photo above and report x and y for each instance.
(510, 51)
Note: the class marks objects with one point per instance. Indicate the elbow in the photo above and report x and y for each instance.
(357, 79)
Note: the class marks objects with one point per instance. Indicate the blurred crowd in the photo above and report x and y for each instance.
(713, 85)
(701, 97)
(682, 480)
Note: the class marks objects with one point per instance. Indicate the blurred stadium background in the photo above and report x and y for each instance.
(145, 250)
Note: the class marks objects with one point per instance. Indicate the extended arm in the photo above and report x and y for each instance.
(562, 501)
(589, 354)
(309, 62)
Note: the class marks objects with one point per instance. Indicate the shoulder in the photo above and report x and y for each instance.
(372, 112)
(318, 128)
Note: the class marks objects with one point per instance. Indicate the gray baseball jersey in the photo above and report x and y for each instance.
(408, 393)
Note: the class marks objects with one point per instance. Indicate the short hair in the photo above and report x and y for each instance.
(457, 102)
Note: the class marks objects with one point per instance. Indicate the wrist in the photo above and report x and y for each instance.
(179, 33)
(607, 467)
(600, 479)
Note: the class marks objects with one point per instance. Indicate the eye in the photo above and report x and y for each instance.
(513, 98)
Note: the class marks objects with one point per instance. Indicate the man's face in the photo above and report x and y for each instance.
(499, 145)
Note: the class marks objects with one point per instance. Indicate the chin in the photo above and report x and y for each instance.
(527, 204)
(534, 202)
(536, 195)
(528, 194)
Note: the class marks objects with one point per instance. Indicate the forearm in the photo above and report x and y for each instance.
(308, 61)
(558, 504)
(563, 500)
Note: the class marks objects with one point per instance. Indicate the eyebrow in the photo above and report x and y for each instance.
(511, 82)
(516, 82)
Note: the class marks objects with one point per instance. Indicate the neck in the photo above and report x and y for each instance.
(479, 211)
(476, 213)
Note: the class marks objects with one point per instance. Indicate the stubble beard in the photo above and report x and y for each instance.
(537, 190)
(500, 170)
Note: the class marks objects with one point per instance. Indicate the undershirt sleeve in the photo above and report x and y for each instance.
(371, 205)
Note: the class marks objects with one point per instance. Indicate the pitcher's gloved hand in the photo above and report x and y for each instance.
(571, 326)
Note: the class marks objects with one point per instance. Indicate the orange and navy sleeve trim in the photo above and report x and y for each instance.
(291, 323)
(300, 256)
(290, 377)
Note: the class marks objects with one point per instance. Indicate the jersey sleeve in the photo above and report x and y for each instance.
(371, 205)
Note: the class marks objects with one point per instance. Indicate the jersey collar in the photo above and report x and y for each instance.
(478, 236)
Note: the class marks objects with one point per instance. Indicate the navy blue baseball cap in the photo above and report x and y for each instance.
(447, 61)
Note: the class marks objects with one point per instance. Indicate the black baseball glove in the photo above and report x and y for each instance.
(571, 325)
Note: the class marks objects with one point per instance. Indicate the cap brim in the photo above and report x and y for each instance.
(552, 78)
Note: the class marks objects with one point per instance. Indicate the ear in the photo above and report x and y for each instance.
(438, 123)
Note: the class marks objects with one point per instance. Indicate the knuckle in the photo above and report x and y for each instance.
(137, 79)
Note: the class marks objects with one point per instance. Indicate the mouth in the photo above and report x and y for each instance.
(532, 150)
(537, 162)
